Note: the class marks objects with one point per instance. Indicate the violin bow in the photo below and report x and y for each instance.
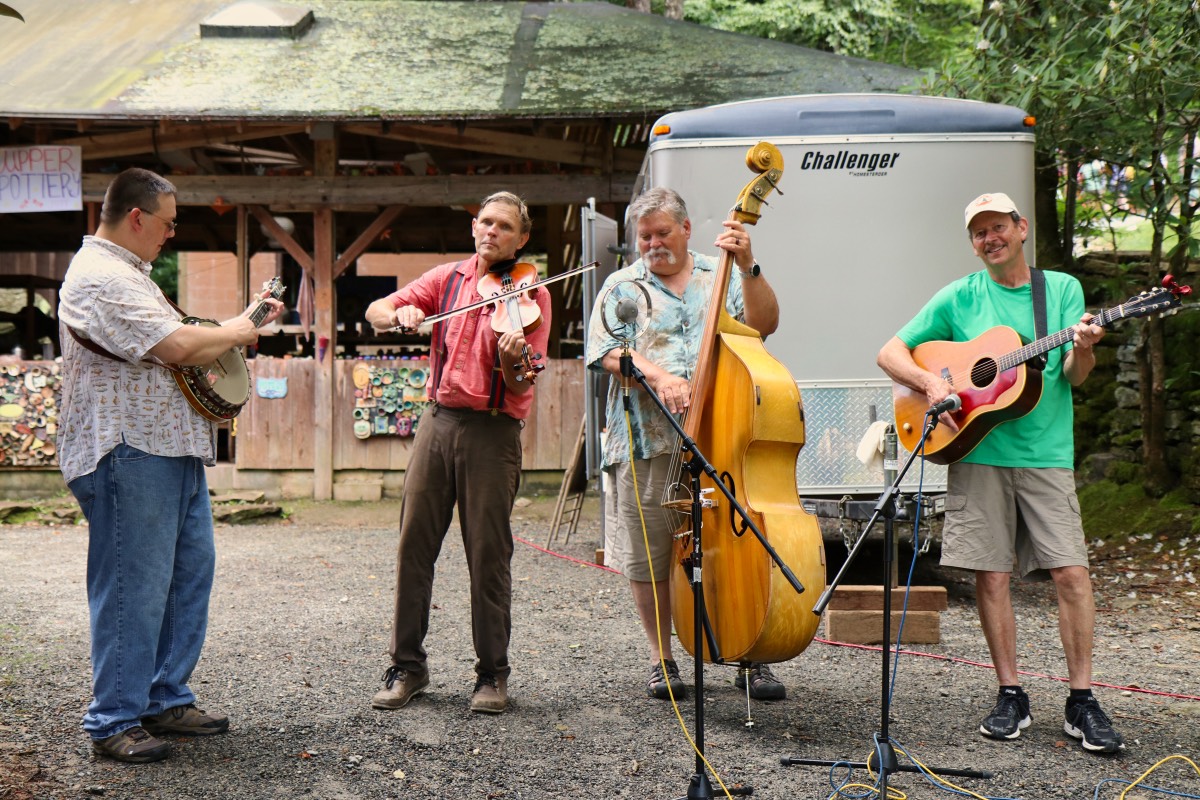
(492, 300)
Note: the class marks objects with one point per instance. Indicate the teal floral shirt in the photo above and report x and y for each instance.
(671, 341)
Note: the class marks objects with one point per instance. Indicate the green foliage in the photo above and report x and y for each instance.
(912, 33)
(1108, 80)
(165, 272)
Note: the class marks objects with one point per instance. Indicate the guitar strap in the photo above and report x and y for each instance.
(1037, 285)
(88, 344)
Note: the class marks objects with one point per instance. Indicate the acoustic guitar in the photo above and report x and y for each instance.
(218, 390)
(992, 376)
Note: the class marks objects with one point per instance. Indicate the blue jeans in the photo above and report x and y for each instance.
(150, 567)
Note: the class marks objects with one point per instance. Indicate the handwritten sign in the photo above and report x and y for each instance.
(40, 178)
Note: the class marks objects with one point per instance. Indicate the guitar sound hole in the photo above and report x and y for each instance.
(983, 373)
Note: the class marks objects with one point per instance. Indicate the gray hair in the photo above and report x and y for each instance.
(508, 198)
(133, 188)
(658, 199)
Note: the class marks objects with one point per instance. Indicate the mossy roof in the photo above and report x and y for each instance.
(398, 59)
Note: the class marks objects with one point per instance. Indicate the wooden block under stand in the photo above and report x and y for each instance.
(855, 614)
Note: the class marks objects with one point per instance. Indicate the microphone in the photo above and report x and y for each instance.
(627, 311)
(952, 403)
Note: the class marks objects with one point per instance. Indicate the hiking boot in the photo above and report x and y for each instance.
(133, 745)
(399, 686)
(763, 683)
(490, 695)
(1091, 726)
(656, 687)
(1009, 717)
(187, 720)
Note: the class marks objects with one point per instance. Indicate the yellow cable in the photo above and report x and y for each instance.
(1146, 774)
(657, 619)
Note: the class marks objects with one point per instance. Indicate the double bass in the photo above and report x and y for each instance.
(747, 418)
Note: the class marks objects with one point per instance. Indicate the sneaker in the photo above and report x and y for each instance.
(133, 745)
(656, 687)
(763, 683)
(187, 720)
(1009, 717)
(399, 687)
(1091, 726)
(490, 695)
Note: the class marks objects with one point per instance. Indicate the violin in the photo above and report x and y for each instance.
(510, 285)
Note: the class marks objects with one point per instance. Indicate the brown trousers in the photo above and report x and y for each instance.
(471, 459)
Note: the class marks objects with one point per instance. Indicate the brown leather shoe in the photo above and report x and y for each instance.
(399, 687)
(133, 745)
(186, 720)
(491, 694)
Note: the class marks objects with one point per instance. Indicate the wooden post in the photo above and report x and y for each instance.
(243, 254)
(555, 215)
(324, 250)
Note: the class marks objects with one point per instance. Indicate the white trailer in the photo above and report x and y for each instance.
(867, 226)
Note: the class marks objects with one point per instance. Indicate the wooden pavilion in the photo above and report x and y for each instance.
(346, 143)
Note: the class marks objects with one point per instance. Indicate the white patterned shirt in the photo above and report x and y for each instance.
(107, 296)
(671, 341)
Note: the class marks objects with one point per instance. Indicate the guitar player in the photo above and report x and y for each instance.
(132, 450)
(1012, 498)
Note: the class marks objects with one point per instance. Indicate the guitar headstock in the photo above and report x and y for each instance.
(1159, 300)
(765, 159)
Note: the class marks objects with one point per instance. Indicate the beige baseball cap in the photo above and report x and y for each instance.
(996, 201)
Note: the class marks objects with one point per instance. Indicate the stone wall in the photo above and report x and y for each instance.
(1108, 425)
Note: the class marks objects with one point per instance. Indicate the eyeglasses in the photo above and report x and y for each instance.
(171, 224)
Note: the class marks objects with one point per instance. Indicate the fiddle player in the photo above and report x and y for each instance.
(680, 282)
(1012, 498)
(467, 452)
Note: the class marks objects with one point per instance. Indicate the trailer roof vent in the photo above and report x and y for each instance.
(258, 19)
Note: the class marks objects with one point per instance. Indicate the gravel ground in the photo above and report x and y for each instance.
(296, 648)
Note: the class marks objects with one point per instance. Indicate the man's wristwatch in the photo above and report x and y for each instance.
(753, 272)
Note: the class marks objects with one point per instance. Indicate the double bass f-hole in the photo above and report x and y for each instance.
(515, 310)
(737, 529)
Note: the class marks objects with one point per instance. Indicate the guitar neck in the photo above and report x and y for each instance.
(1055, 340)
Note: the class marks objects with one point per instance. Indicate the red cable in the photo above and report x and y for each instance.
(875, 649)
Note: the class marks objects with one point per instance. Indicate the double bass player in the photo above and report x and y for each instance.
(680, 282)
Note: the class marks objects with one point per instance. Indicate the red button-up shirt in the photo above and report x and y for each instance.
(464, 372)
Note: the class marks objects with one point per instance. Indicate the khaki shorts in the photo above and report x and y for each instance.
(625, 545)
(998, 516)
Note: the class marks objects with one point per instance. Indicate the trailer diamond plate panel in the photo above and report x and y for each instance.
(836, 415)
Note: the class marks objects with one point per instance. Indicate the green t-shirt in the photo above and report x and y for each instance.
(971, 305)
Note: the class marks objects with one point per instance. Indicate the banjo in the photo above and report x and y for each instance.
(218, 390)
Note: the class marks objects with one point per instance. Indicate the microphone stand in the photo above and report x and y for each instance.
(885, 755)
(700, 787)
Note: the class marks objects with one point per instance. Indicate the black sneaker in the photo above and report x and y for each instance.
(1091, 726)
(1009, 717)
(656, 687)
(763, 683)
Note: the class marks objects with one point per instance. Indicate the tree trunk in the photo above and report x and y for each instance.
(638, 5)
(673, 9)
(1153, 369)
(1045, 209)
(1070, 201)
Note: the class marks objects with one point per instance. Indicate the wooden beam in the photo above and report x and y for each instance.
(149, 140)
(385, 190)
(283, 237)
(517, 145)
(366, 239)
